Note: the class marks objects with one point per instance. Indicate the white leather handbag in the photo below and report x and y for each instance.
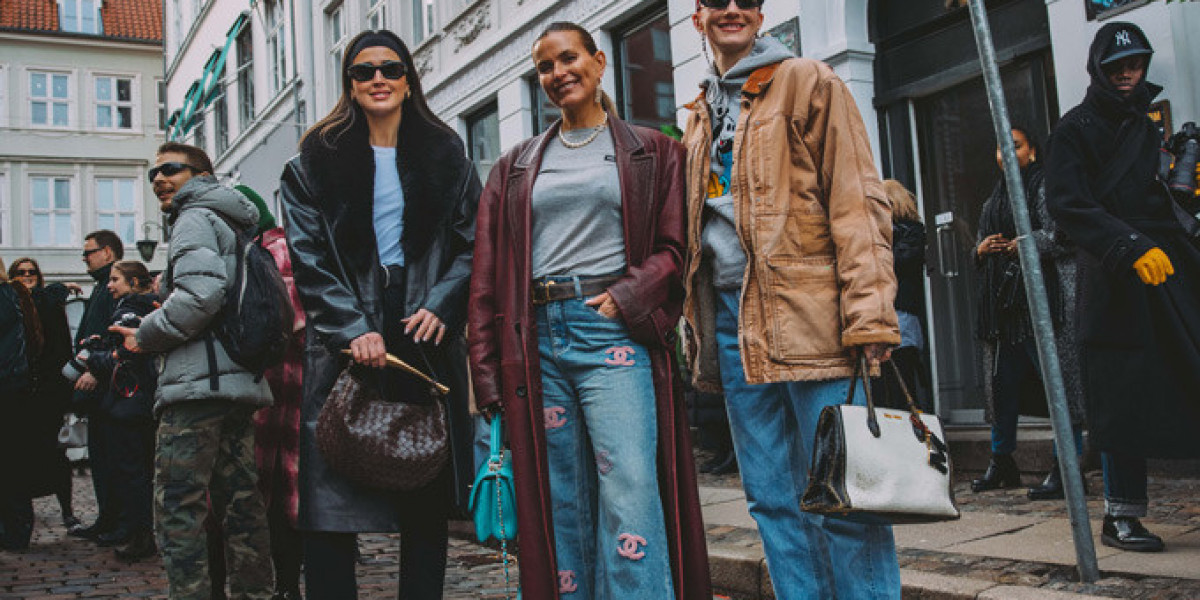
(890, 464)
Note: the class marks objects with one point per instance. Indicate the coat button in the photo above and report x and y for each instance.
(521, 391)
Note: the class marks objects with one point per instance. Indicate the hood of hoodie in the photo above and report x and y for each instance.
(206, 192)
(1101, 91)
(766, 51)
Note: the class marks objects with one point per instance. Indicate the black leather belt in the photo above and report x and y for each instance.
(392, 275)
(553, 289)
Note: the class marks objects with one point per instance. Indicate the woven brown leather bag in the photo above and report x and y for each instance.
(381, 444)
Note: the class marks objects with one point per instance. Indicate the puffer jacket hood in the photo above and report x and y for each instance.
(204, 191)
(1101, 92)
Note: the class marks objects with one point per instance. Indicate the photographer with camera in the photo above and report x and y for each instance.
(127, 402)
(1139, 280)
(100, 250)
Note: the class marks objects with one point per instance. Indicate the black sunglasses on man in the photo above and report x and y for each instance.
(169, 168)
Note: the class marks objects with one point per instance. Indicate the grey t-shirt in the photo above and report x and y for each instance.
(576, 204)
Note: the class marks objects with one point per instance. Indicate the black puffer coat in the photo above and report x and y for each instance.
(1140, 343)
(328, 200)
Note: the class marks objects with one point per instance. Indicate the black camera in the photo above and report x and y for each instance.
(1185, 147)
(129, 320)
(77, 365)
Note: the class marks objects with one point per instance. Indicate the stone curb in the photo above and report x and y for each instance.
(742, 572)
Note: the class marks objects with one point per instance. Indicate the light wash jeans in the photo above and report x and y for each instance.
(809, 556)
(600, 416)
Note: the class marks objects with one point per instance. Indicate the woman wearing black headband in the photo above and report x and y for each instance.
(380, 206)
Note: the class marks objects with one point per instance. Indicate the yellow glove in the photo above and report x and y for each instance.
(1153, 267)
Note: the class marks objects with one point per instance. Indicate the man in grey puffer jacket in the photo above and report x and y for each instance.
(205, 401)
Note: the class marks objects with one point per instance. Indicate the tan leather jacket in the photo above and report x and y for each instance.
(814, 223)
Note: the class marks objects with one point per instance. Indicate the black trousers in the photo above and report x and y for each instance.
(132, 448)
(100, 457)
(329, 557)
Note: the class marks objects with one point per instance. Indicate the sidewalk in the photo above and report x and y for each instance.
(1003, 547)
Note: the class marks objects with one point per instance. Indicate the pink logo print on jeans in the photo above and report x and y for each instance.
(620, 356)
(629, 546)
(553, 417)
(566, 582)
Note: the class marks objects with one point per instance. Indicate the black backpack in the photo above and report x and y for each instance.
(255, 323)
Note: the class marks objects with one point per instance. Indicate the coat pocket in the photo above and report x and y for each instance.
(802, 306)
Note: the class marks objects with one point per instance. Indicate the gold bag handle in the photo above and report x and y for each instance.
(395, 362)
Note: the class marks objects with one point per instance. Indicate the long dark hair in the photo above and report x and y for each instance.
(347, 113)
(589, 44)
(12, 270)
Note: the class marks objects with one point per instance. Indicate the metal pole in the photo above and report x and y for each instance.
(1039, 306)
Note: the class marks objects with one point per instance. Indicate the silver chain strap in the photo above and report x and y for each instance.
(503, 535)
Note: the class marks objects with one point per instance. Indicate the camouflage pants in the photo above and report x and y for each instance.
(205, 454)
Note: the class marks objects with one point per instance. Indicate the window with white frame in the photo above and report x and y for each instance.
(176, 34)
(338, 36)
(4, 212)
(80, 16)
(51, 211)
(199, 137)
(160, 95)
(377, 14)
(423, 19)
(114, 102)
(116, 207)
(276, 45)
(220, 120)
(49, 99)
(245, 78)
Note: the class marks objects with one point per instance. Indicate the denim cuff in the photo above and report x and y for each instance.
(1120, 507)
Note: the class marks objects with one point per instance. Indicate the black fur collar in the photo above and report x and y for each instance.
(433, 167)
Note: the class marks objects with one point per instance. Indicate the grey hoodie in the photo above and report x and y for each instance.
(722, 92)
(201, 261)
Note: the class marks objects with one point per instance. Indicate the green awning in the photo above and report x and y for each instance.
(203, 89)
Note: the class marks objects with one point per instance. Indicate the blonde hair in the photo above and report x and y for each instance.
(904, 204)
(3, 272)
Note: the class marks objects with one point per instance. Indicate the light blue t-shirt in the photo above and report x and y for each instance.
(389, 207)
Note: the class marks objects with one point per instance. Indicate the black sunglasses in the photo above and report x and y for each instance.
(87, 253)
(363, 72)
(742, 4)
(26, 272)
(169, 168)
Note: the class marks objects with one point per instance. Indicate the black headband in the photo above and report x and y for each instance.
(374, 39)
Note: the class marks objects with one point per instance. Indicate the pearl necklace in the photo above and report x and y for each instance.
(589, 139)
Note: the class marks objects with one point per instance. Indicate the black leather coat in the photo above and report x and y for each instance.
(328, 203)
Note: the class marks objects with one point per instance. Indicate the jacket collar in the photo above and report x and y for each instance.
(755, 85)
(624, 142)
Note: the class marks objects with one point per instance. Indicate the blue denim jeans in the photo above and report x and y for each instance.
(773, 425)
(1015, 363)
(600, 418)
(1125, 493)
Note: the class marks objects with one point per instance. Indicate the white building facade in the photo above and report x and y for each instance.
(81, 114)
(911, 65)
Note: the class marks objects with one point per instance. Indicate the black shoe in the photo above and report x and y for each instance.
(71, 522)
(115, 537)
(720, 457)
(1051, 488)
(1002, 472)
(1127, 533)
(141, 546)
(726, 466)
(91, 532)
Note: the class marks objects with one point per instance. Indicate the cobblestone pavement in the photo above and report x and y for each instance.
(1172, 502)
(57, 566)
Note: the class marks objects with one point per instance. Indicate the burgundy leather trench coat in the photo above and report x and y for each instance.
(504, 350)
